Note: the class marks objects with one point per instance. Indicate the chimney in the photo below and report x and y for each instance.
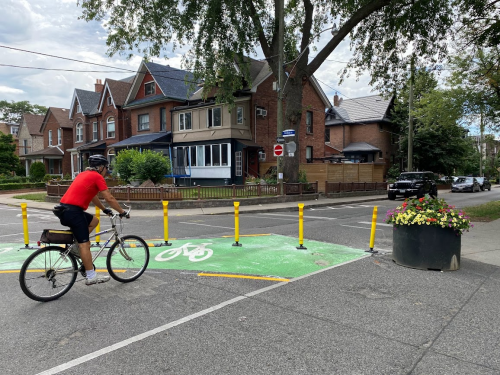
(99, 87)
(335, 100)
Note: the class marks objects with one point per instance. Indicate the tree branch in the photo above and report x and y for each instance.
(266, 49)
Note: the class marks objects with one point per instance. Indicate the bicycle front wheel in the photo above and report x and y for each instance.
(127, 259)
(47, 274)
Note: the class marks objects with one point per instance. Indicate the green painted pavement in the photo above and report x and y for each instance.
(273, 255)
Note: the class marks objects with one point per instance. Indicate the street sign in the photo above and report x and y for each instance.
(291, 147)
(288, 133)
(291, 154)
(280, 140)
(278, 150)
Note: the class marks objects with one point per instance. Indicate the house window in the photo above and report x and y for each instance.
(163, 119)
(192, 150)
(144, 122)
(78, 108)
(149, 88)
(59, 136)
(51, 166)
(94, 131)
(216, 155)
(224, 154)
(239, 115)
(111, 157)
(79, 133)
(110, 127)
(200, 153)
(380, 155)
(327, 135)
(214, 117)
(14, 130)
(208, 154)
(185, 121)
(239, 164)
(309, 154)
(309, 122)
(25, 146)
(110, 101)
(50, 137)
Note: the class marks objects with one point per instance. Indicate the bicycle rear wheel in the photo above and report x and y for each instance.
(48, 274)
(127, 260)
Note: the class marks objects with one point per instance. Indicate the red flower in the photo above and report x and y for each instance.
(419, 208)
(421, 200)
(405, 204)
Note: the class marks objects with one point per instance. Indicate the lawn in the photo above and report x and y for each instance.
(485, 212)
(37, 197)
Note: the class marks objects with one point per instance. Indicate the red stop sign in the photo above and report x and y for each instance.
(278, 150)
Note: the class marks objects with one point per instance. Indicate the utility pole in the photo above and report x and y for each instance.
(410, 117)
(281, 29)
(481, 137)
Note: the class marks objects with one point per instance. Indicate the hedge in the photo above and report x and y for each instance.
(25, 185)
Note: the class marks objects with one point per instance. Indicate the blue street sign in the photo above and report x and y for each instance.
(288, 133)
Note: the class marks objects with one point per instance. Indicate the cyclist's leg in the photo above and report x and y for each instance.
(93, 223)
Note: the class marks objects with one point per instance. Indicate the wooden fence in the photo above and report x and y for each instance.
(128, 193)
(340, 187)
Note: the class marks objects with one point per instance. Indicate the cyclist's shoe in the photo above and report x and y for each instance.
(96, 280)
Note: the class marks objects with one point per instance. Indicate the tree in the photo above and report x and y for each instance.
(122, 165)
(222, 33)
(9, 161)
(37, 171)
(11, 112)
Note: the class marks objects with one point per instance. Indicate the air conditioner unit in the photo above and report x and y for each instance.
(261, 112)
(262, 156)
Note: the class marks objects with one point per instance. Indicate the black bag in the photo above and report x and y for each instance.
(57, 236)
(58, 210)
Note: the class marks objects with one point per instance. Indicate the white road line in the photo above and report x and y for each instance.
(17, 234)
(142, 336)
(369, 223)
(277, 218)
(206, 225)
(305, 217)
(352, 226)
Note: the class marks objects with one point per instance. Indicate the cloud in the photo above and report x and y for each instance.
(10, 90)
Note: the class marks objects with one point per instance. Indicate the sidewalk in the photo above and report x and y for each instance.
(482, 243)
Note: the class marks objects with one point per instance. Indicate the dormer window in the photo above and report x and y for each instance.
(149, 88)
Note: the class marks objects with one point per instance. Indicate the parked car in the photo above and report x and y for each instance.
(484, 183)
(465, 184)
(413, 183)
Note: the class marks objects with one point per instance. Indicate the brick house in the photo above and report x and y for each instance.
(57, 132)
(10, 128)
(98, 121)
(155, 90)
(218, 146)
(360, 131)
(30, 138)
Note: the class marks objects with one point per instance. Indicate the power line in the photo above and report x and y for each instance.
(60, 70)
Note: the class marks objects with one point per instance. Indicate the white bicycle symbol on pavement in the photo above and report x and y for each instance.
(197, 254)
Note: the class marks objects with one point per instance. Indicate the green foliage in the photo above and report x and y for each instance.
(302, 176)
(67, 177)
(151, 165)
(12, 111)
(148, 165)
(122, 166)
(393, 172)
(49, 177)
(13, 179)
(37, 171)
(37, 197)
(24, 185)
(9, 161)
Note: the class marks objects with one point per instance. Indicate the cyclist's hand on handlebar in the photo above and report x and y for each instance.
(107, 211)
(125, 214)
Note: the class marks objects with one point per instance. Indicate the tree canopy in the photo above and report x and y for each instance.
(9, 161)
(222, 32)
(11, 112)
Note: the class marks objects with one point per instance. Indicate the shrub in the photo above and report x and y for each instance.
(37, 171)
(67, 177)
(49, 177)
(151, 165)
(122, 166)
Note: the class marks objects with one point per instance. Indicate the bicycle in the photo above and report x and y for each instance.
(55, 268)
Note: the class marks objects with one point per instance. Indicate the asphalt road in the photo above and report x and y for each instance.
(175, 322)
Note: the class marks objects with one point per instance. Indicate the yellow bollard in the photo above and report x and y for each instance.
(236, 224)
(374, 228)
(301, 227)
(25, 224)
(165, 223)
(98, 227)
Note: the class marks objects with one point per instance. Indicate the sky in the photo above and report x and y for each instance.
(52, 27)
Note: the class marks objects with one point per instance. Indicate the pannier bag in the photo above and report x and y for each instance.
(56, 236)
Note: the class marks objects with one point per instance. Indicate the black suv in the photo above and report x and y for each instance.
(413, 183)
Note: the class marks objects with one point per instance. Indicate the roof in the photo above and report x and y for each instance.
(360, 146)
(144, 139)
(88, 100)
(61, 115)
(174, 83)
(364, 109)
(93, 145)
(118, 91)
(48, 152)
(34, 123)
(248, 143)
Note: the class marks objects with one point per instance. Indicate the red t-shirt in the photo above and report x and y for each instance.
(85, 187)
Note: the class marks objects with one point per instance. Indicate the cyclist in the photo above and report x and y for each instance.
(71, 211)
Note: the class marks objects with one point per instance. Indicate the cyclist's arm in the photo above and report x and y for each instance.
(112, 202)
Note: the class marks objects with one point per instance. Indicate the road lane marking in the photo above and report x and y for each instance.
(163, 328)
(17, 234)
(382, 224)
(308, 217)
(250, 235)
(244, 277)
(352, 226)
(206, 225)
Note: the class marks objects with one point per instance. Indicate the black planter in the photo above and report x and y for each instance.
(426, 247)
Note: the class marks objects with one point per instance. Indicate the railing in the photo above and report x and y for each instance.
(341, 187)
(128, 193)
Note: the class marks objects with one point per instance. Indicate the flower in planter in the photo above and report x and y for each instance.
(429, 211)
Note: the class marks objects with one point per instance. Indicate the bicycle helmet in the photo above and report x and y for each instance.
(97, 160)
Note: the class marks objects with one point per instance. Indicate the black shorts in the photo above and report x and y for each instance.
(78, 220)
